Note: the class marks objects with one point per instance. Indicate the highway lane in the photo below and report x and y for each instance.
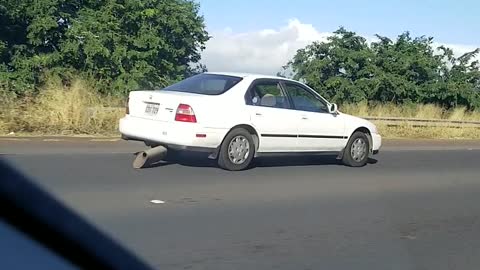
(413, 209)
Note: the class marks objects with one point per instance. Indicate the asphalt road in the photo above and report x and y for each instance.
(418, 207)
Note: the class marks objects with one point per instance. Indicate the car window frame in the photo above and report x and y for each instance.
(248, 97)
(309, 90)
(227, 77)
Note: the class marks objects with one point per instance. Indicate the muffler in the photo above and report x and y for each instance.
(146, 158)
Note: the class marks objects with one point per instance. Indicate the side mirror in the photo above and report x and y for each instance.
(333, 108)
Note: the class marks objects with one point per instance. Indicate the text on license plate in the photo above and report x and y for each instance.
(152, 108)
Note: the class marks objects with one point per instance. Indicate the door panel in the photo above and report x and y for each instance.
(271, 116)
(276, 128)
(318, 130)
(321, 132)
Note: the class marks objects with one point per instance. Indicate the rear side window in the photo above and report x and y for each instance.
(267, 94)
(206, 84)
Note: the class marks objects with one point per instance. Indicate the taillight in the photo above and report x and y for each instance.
(185, 114)
(127, 110)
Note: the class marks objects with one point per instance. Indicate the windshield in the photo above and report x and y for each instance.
(206, 84)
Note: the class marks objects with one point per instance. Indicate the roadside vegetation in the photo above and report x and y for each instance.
(417, 111)
(62, 110)
(78, 109)
(66, 67)
(348, 69)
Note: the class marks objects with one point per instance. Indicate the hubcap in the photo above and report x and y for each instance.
(238, 149)
(358, 149)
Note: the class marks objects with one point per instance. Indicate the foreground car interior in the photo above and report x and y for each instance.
(47, 235)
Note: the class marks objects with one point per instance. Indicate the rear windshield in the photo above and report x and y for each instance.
(206, 84)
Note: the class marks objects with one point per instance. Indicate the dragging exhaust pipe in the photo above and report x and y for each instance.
(146, 158)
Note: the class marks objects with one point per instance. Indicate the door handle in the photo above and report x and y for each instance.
(258, 114)
(304, 117)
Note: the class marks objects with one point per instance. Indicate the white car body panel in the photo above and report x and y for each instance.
(271, 122)
(321, 132)
(278, 129)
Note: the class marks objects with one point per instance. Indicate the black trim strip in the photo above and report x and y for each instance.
(280, 135)
(323, 136)
(304, 136)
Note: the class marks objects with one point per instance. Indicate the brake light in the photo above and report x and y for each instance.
(127, 110)
(185, 114)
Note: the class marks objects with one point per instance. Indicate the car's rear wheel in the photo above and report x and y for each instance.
(237, 150)
(356, 151)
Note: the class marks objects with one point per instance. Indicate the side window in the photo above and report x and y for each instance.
(304, 100)
(267, 94)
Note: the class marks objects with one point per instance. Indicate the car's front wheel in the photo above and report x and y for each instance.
(356, 151)
(237, 150)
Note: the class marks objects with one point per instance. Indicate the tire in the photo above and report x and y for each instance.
(356, 159)
(246, 149)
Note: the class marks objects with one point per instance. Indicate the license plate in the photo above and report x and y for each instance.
(152, 108)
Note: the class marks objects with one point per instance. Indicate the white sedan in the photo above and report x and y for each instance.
(236, 117)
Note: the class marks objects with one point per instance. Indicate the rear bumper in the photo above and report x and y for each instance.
(176, 135)
(175, 146)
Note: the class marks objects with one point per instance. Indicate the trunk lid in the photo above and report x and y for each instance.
(160, 105)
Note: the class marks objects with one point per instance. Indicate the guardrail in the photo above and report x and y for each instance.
(416, 122)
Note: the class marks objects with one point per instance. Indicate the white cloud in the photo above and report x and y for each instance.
(266, 51)
(458, 49)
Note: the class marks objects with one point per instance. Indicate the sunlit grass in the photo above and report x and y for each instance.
(60, 110)
(79, 110)
(419, 111)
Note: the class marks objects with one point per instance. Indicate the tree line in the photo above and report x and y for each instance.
(119, 45)
(346, 68)
(123, 45)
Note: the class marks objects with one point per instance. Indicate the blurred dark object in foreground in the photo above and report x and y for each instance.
(32, 215)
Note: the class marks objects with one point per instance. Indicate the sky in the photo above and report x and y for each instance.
(261, 36)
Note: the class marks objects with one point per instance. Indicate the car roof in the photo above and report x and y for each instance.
(252, 76)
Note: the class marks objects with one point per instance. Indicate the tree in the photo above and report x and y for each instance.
(406, 66)
(332, 67)
(346, 68)
(122, 45)
(460, 80)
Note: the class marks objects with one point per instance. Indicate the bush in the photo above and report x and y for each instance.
(346, 68)
(122, 45)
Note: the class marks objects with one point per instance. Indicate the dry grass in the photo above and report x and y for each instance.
(7, 103)
(420, 111)
(62, 110)
(77, 109)
(408, 131)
